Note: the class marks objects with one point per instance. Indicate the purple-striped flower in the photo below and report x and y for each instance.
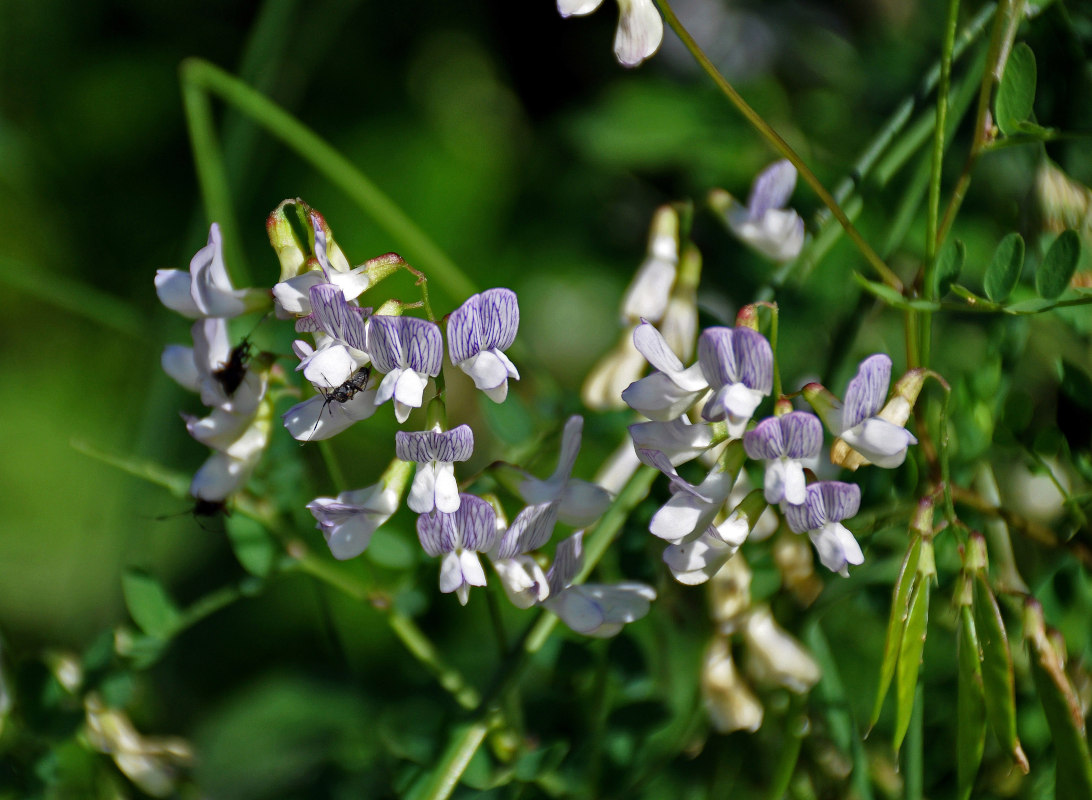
(435, 453)
(524, 581)
(458, 538)
(784, 443)
(690, 511)
(341, 329)
(881, 442)
(592, 609)
(738, 364)
(821, 515)
(672, 389)
(409, 351)
(477, 333)
(348, 521)
(206, 290)
(764, 223)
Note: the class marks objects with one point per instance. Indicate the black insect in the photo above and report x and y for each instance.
(357, 383)
(202, 510)
(231, 373)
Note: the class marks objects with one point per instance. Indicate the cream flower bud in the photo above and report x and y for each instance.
(731, 704)
(775, 657)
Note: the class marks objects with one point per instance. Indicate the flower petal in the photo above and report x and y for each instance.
(867, 391)
(640, 31)
(772, 188)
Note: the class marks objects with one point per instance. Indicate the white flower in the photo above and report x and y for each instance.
(409, 351)
(821, 515)
(348, 521)
(478, 332)
(672, 389)
(206, 290)
(458, 538)
(599, 610)
(293, 295)
(773, 656)
(434, 452)
(647, 295)
(764, 223)
(578, 502)
(730, 702)
(640, 29)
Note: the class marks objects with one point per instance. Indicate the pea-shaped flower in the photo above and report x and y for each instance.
(458, 538)
(409, 351)
(764, 223)
(672, 389)
(206, 290)
(738, 364)
(821, 515)
(784, 443)
(348, 521)
(592, 609)
(477, 333)
(435, 452)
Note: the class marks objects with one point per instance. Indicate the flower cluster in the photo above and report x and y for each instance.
(357, 358)
(238, 425)
(705, 409)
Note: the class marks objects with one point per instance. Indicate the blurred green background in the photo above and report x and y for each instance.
(508, 134)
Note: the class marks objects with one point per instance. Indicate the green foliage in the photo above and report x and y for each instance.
(1004, 269)
(1016, 92)
(1059, 264)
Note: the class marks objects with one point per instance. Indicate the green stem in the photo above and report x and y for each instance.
(1006, 21)
(209, 163)
(780, 145)
(915, 751)
(199, 76)
(402, 626)
(796, 728)
(933, 209)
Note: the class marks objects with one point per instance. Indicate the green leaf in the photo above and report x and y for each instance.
(997, 676)
(1034, 305)
(970, 706)
(896, 621)
(910, 650)
(149, 604)
(1073, 764)
(1059, 264)
(253, 546)
(948, 266)
(1004, 269)
(894, 298)
(1016, 93)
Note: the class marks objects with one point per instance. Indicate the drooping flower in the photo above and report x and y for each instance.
(458, 538)
(409, 351)
(640, 29)
(522, 577)
(863, 422)
(331, 412)
(698, 556)
(729, 700)
(228, 469)
(198, 368)
(206, 290)
(592, 609)
(667, 393)
(478, 332)
(785, 443)
(348, 521)
(679, 440)
(764, 223)
(578, 502)
(435, 453)
(647, 295)
(821, 515)
(738, 365)
(775, 657)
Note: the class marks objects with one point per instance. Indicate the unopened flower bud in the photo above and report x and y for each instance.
(731, 704)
